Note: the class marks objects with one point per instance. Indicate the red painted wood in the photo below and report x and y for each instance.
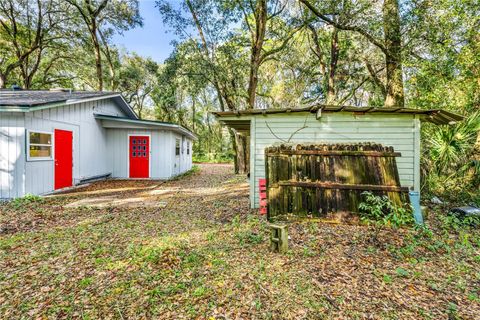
(262, 184)
(63, 159)
(139, 155)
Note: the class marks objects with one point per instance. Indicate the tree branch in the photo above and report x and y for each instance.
(339, 26)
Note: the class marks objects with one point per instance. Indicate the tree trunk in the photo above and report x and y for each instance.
(241, 161)
(334, 51)
(233, 140)
(393, 55)
(98, 53)
(256, 53)
(108, 56)
(193, 115)
(3, 81)
(98, 62)
(206, 52)
(222, 95)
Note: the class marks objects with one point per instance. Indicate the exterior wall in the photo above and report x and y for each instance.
(182, 162)
(89, 142)
(397, 130)
(162, 153)
(12, 155)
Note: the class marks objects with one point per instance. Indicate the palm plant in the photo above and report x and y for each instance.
(451, 147)
(451, 162)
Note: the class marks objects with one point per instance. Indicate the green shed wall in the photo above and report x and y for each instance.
(397, 130)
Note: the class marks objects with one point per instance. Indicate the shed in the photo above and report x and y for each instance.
(395, 127)
(52, 140)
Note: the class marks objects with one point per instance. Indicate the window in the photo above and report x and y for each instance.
(39, 145)
(177, 147)
(188, 147)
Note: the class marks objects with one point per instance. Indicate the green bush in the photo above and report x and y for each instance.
(26, 200)
(453, 222)
(380, 211)
(213, 157)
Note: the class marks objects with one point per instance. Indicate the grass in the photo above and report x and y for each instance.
(194, 170)
(206, 255)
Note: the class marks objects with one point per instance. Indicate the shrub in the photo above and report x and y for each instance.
(380, 211)
(26, 200)
(456, 223)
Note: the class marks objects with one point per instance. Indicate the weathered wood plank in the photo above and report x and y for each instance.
(345, 186)
(334, 152)
(313, 180)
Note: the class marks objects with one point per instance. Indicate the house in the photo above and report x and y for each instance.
(52, 140)
(396, 127)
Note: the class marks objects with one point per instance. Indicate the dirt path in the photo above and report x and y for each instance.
(203, 254)
(215, 183)
(210, 183)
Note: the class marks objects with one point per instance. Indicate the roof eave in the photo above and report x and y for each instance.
(167, 126)
(439, 117)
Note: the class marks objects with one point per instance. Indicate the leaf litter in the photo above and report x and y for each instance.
(205, 255)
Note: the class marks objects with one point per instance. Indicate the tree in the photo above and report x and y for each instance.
(137, 80)
(327, 69)
(115, 15)
(390, 45)
(213, 52)
(27, 28)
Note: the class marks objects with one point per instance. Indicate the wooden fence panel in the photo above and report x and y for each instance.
(314, 180)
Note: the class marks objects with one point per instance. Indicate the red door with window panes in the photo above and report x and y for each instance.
(139, 155)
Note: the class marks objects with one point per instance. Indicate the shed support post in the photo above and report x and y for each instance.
(279, 238)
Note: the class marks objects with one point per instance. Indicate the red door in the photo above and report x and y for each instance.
(63, 159)
(139, 154)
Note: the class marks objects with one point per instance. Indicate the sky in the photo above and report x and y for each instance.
(151, 40)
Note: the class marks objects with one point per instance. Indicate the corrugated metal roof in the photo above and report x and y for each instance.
(31, 100)
(435, 116)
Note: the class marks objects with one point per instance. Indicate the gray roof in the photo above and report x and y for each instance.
(436, 116)
(31, 100)
(115, 122)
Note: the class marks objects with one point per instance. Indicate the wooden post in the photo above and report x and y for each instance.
(279, 238)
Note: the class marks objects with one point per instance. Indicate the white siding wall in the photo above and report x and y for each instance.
(184, 161)
(399, 131)
(12, 155)
(89, 142)
(96, 150)
(188, 157)
(161, 149)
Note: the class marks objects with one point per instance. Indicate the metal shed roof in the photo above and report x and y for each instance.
(32, 100)
(115, 122)
(436, 116)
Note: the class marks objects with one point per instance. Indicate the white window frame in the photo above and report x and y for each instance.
(179, 147)
(188, 148)
(52, 146)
